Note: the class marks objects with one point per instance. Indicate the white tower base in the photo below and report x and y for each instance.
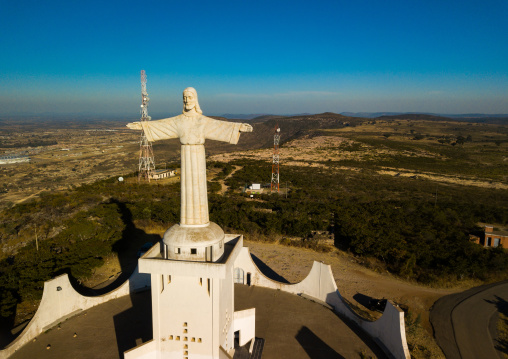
(193, 306)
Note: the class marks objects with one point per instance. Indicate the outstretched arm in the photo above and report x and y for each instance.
(156, 130)
(225, 131)
(245, 127)
(135, 126)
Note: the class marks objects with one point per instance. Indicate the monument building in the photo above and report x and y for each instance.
(192, 269)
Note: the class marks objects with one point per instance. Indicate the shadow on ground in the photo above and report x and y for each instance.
(267, 271)
(501, 343)
(314, 346)
(363, 299)
(138, 317)
(127, 250)
(7, 333)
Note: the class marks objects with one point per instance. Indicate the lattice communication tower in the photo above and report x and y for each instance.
(146, 161)
(275, 164)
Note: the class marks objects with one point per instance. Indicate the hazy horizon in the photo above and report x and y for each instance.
(264, 57)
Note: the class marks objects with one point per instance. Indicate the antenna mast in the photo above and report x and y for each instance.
(146, 161)
(275, 164)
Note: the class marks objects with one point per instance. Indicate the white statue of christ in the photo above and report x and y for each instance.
(192, 128)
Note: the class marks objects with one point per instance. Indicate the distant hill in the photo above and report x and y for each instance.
(369, 114)
(415, 116)
(266, 118)
(219, 118)
(258, 117)
(477, 115)
(329, 115)
(292, 127)
(243, 116)
(494, 119)
(498, 119)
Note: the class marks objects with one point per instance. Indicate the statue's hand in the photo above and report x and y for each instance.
(135, 126)
(245, 127)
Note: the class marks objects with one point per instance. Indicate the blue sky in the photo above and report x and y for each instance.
(69, 57)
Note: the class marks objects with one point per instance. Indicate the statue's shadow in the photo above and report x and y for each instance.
(127, 250)
(134, 325)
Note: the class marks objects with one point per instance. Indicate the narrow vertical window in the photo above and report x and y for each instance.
(162, 283)
(169, 278)
(208, 286)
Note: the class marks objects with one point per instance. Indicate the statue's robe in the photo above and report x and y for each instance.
(192, 131)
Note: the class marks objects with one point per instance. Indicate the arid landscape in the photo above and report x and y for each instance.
(391, 166)
(67, 157)
(62, 156)
(440, 154)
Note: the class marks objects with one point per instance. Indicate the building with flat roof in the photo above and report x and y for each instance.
(492, 237)
(5, 160)
(165, 173)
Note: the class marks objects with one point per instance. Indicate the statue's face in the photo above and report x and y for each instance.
(189, 100)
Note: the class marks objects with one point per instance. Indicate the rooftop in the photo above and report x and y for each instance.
(293, 327)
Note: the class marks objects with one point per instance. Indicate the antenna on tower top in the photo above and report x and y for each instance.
(275, 164)
(146, 166)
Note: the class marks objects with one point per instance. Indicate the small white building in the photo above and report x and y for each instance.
(4, 160)
(255, 186)
(160, 174)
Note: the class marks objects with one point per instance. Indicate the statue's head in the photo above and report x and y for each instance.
(190, 100)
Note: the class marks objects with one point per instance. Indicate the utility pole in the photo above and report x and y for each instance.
(275, 163)
(146, 161)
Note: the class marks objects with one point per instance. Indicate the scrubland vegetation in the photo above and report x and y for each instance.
(413, 226)
(396, 220)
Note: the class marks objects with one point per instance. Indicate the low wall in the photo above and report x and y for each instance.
(245, 322)
(146, 350)
(388, 331)
(61, 301)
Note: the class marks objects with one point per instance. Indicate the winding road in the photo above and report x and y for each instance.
(465, 323)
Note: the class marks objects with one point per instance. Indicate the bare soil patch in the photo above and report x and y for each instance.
(355, 281)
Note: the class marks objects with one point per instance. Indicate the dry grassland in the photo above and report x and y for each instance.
(353, 148)
(81, 156)
(386, 147)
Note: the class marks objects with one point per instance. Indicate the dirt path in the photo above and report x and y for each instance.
(224, 188)
(309, 151)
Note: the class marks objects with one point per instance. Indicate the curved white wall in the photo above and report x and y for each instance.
(58, 305)
(388, 331)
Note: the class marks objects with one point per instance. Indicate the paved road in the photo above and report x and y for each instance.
(465, 323)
